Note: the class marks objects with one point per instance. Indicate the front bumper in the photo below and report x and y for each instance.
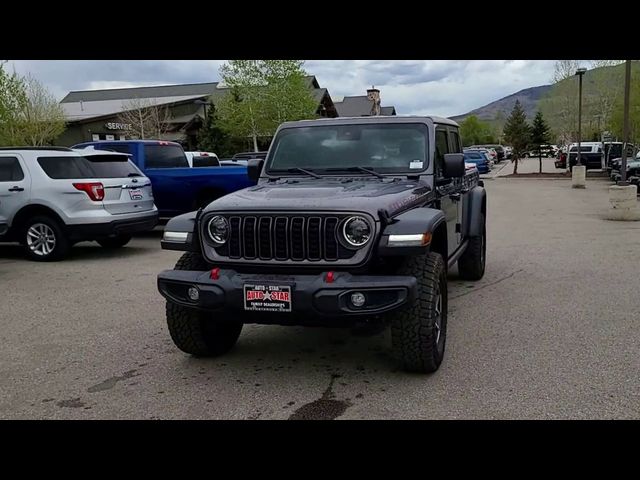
(92, 231)
(312, 297)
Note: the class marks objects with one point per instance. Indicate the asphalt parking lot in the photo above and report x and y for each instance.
(550, 332)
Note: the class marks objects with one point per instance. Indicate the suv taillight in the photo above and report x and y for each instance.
(95, 190)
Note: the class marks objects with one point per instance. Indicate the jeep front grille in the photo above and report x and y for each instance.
(285, 237)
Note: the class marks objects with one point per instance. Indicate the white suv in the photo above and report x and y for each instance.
(53, 197)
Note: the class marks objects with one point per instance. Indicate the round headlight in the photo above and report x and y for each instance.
(356, 231)
(218, 228)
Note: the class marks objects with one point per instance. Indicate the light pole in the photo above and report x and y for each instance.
(627, 81)
(580, 72)
(579, 171)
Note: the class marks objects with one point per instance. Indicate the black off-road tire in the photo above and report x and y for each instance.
(114, 242)
(416, 341)
(471, 263)
(194, 331)
(62, 243)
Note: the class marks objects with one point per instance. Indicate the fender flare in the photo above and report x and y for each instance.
(416, 221)
(474, 212)
(182, 224)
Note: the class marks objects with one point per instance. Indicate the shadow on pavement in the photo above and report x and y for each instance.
(78, 252)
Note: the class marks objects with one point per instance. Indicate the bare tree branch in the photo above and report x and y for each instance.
(146, 117)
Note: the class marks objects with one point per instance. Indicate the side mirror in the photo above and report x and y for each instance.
(453, 165)
(254, 169)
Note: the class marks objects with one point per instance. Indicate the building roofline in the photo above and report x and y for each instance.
(132, 88)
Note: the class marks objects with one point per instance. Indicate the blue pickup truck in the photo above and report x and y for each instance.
(177, 188)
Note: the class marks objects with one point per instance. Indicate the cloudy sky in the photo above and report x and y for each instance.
(438, 87)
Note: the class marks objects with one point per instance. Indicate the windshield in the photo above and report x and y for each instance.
(386, 148)
(473, 156)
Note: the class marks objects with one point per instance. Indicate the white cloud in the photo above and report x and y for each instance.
(440, 87)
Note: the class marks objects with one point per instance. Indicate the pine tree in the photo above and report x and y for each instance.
(539, 135)
(517, 133)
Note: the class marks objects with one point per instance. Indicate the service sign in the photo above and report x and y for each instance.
(117, 126)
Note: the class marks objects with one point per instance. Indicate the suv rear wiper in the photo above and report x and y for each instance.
(134, 175)
(356, 169)
(308, 172)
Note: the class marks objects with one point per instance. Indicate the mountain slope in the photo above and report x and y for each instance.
(528, 97)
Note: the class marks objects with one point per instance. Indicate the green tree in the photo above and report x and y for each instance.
(617, 118)
(29, 114)
(474, 131)
(539, 134)
(13, 98)
(40, 118)
(212, 138)
(517, 133)
(263, 94)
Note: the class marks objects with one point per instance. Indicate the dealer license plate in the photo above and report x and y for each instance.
(135, 194)
(267, 298)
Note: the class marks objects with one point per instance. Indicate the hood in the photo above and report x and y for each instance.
(355, 194)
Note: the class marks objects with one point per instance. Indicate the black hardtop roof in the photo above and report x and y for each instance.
(371, 119)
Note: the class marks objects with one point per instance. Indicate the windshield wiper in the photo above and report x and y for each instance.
(356, 169)
(308, 172)
(134, 175)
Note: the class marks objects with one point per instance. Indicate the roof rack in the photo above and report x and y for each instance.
(57, 149)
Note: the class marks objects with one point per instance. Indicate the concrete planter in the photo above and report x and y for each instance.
(624, 203)
(579, 177)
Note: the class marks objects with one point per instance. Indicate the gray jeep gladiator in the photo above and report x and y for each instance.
(352, 221)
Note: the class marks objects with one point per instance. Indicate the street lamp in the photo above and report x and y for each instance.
(580, 72)
(627, 81)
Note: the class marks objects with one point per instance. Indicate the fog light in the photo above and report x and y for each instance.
(194, 293)
(357, 299)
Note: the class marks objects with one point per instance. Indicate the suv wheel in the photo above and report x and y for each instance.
(195, 332)
(472, 262)
(44, 239)
(419, 331)
(116, 241)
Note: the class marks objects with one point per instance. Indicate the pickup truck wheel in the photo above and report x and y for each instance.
(44, 239)
(418, 331)
(195, 332)
(116, 241)
(471, 263)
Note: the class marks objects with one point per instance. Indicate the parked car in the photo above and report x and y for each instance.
(508, 152)
(485, 152)
(479, 160)
(361, 228)
(231, 162)
(561, 161)
(616, 163)
(499, 149)
(546, 151)
(590, 153)
(613, 151)
(202, 159)
(633, 168)
(53, 197)
(177, 188)
(249, 155)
